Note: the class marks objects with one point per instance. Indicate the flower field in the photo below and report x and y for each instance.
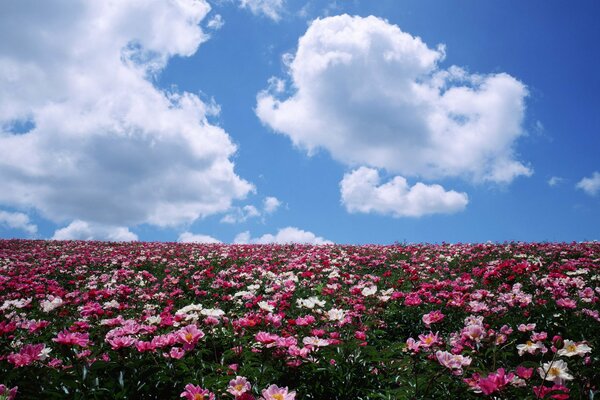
(99, 320)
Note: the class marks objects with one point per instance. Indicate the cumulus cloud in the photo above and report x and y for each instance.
(373, 95)
(590, 185)
(271, 204)
(101, 143)
(269, 8)
(81, 230)
(285, 235)
(362, 192)
(188, 237)
(17, 220)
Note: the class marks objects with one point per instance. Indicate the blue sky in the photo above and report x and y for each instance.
(255, 121)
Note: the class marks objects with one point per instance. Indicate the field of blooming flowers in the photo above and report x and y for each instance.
(100, 320)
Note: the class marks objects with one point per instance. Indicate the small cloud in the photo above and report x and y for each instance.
(239, 215)
(216, 22)
(242, 214)
(17, 220)
(289, 234)
(82, 230)
(269, 8)
(271, 204)
(555, 181)
(590, 185)
(362, 192)
(189, 237)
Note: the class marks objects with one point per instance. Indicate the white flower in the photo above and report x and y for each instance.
(44, 353)
(212, 312)
(265, 306)
(112, 304)
(310, 303)
(571, 348)
(315, 341)
(369, 291)
(51, 304)
(556, 371)
(336, 314)
(529, 347)
(154, 320)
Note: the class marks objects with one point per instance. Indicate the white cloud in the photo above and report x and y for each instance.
(188, 237)
(271, 204)
(106, 145)
(285, 235)
(373, 95)
(362, 192)
(238, 215)
(554, 181)
(81, 230)
(17, 220)
(216, 22)
(590, 185)
(269, 8)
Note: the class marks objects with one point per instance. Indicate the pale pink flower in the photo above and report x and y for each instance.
(432, 317)
(238, 386)
(274, 392)
(455, 362)
(429, 340)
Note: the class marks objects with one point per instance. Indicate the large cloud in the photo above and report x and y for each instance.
(85, 135)
(289, 234)
(373, 95)
(362, 192)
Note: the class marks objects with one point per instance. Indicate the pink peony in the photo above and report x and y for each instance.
(238, 386)
(432, 318)
(72, 338)
(274, 392)
(195, 392)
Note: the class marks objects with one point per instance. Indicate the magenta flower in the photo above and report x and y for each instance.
(6, 393)
(195, 392)
(72, 338)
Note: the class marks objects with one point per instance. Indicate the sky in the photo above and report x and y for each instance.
(276, 121)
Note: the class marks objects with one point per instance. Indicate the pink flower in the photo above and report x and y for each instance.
(72, 338)
(177, 353)
(523, 372)
(189, 336)
(265, 337)
(274, 392)
(195, 392)
(432, 317)
(495, 381)
(121, 341)
(429, 340)
(451, 361)
(238, 386)
(8, 394)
